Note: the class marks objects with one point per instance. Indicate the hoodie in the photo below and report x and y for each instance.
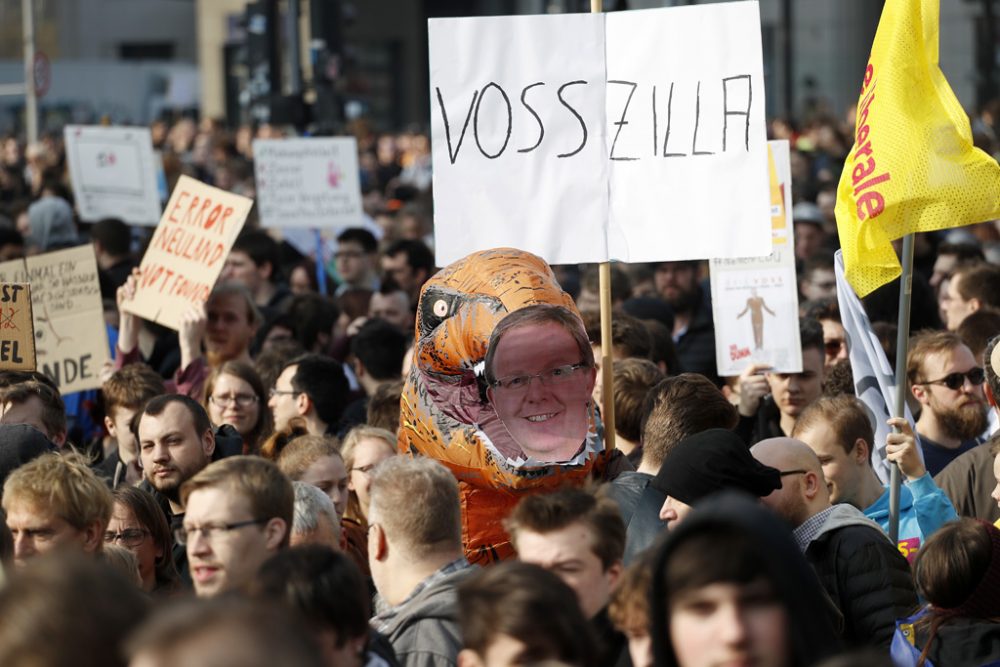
(423, 630)
(812, 632)
(52, 226)
(923, 508)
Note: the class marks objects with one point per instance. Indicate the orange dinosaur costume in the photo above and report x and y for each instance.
(444, 412)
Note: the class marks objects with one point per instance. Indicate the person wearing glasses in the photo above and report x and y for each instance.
(139, 525)
(236, 396)
(356, 260)
(238, 514)
(970, 481)
(314, 388)
(363, 448)
(862, 571)
(540, 375)
(945, 379)
(837, 429)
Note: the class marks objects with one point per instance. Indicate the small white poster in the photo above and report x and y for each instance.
(310, 182)
(755, 300)
(633, 136)
(114, 173)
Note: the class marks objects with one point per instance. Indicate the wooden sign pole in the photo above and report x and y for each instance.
(607, 358)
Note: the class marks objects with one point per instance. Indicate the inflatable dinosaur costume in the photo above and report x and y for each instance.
(444, 411)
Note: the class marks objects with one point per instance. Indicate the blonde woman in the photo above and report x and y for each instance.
(363, 448)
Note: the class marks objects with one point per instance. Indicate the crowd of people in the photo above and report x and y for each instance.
(235, 492)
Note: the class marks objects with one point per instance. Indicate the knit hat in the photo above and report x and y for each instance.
(806, 211)
(712, 461)
(52, 226)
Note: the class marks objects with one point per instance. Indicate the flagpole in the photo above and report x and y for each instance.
(607, 360)
(902, 346)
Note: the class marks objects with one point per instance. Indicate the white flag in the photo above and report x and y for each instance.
(874, 382)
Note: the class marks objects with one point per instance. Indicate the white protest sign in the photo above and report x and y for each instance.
(634, 136)
(187, 251)
(71, 341)
(312, 182)
(755, 301)
(114, 173)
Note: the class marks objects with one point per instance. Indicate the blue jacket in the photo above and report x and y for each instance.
(923, 508)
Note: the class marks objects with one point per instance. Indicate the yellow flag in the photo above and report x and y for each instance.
(913, 167)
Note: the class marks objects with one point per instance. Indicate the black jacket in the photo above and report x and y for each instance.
(764, 424)
(864, 574)
(640, 507)
(962, 641)
(696, 348)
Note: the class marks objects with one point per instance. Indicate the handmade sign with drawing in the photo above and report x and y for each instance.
(69, 330)
(17, 336)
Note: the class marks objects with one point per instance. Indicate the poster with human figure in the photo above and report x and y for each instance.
(755, 299)
(756, 306)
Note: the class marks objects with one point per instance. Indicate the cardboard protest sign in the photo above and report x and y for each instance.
(17, 335)
(311, 182)
(591, 137)
(187, 251)
(114, 173)
(755, 300)
(70, 336)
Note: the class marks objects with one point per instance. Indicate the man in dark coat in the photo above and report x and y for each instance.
(694, 329)
(860, 569)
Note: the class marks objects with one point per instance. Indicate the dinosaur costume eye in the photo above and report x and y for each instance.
(436, 307)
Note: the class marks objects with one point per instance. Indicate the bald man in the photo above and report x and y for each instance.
(867, 578)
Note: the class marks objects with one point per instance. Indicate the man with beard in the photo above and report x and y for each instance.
(969, 480)
(176, 441)
(694, 329)
(946, 381)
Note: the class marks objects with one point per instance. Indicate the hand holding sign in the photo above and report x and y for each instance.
(192, 332)
(128, 324)
(753, 387)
